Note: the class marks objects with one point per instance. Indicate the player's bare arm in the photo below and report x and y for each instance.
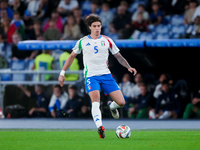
(67, 64)
(124, 63)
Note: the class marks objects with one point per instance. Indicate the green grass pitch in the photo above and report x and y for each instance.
(89, 140)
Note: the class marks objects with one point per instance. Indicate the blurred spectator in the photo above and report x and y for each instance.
(40, 37)
(74, 104)
(140, 24)
(126, 86)
(190, 12)
(17, 19)
(94, 8)
(38, 8)
(4, 29)
(156, 15)
(168, 103)
(19, 6)
(178, 6)
(4, 6)
(165, 6)
(43, 9)
(41, 107)
(36, 31)
(197, 12)
(44, 61)
(71, 29)
(16, 25)
(74, 66)
(112, 3)
(193, 109)
(106, 15)
(193, 30)
(138, 106)
(120, 22)
(52, 33)
(66, 7)
(3, 15)
(3, 61)
(135, 91)
(125, 5)
(33, 7)
(20, 54)
(77, 14)
(158, 89)
(58, 102)
(28, 21)
(55, 16)
(140, 9)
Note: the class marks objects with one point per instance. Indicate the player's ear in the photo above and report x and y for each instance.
(89, 27)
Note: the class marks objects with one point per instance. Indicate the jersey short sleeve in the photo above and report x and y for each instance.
(78, 47)
(112, 47)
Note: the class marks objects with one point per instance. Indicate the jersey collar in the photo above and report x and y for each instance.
(92, 38)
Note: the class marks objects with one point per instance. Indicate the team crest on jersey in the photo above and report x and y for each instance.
(102, 43)
(89, 87)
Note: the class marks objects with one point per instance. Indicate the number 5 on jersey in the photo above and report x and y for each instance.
(96, 49)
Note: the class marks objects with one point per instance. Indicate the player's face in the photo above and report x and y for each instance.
(95, 28)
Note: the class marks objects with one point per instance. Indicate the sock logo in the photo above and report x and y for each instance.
(97, 119)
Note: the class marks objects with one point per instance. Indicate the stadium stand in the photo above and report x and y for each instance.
(166, 34)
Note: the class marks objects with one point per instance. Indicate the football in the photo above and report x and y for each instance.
(123, 131)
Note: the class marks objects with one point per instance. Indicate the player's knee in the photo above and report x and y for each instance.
(96, 100)
(121, 103)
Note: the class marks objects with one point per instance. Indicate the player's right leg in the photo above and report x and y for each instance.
(96, 113)
(93, 89)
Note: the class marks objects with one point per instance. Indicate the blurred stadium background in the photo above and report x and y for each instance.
(155, 36)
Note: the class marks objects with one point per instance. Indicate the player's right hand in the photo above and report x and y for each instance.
(61, 80)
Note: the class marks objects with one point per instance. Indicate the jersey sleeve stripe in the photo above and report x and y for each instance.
(79, 45)
(110, 44)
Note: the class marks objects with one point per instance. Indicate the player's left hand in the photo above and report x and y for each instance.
(132, 70)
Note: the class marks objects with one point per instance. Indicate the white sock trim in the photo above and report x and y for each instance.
(114, 105)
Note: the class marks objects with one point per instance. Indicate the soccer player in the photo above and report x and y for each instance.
(95, 48)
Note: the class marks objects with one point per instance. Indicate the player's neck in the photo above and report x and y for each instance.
(94, 36)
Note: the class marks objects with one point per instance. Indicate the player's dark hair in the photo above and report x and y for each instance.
(92, 18)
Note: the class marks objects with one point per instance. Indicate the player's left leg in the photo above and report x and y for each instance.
(118, 102)
(109, 86)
